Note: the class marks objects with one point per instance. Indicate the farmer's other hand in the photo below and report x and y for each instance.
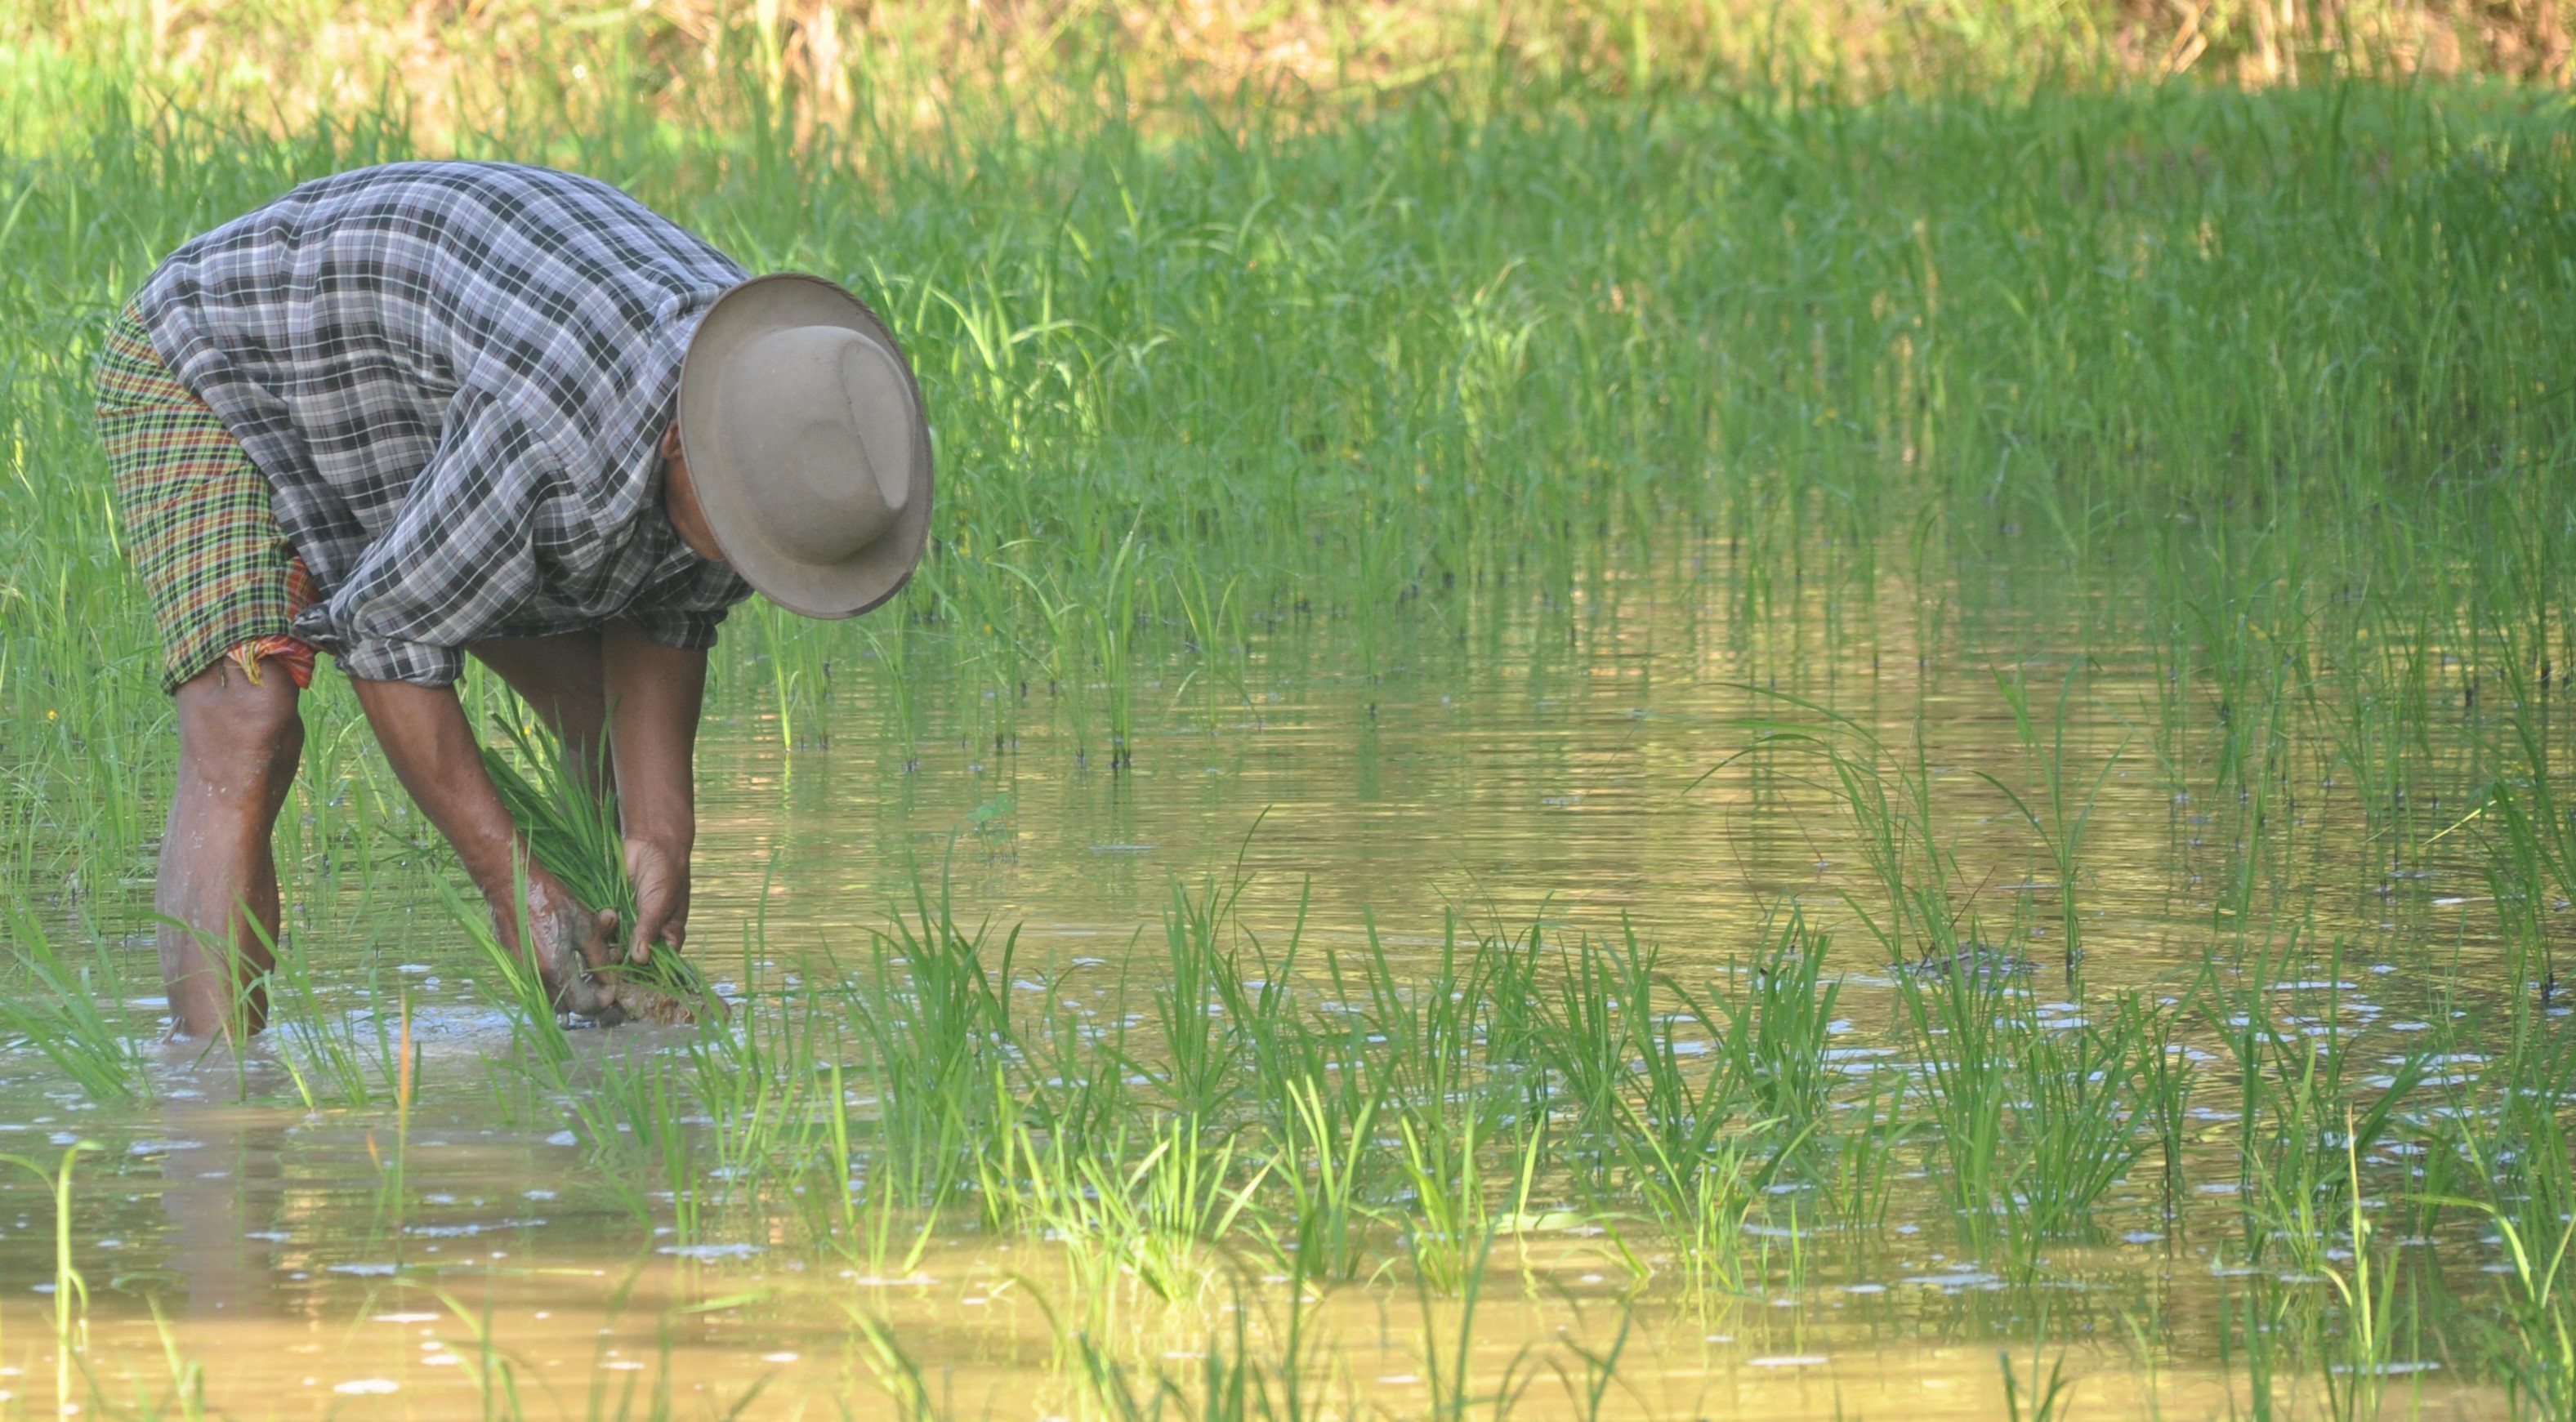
(568, 940)
(661, 875)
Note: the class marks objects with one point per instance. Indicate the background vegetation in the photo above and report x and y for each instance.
(449, 66)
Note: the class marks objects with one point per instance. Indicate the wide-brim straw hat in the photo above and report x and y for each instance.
(807, 444)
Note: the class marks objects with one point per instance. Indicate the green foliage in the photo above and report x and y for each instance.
(75, 1015)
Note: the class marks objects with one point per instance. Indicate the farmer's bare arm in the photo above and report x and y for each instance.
(653, 694)
(426, 737)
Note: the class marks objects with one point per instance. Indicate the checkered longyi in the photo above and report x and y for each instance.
(197, 521)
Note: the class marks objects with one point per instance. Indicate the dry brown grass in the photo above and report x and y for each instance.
(460, 62)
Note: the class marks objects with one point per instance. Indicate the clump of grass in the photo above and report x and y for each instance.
(2306, 1106)
(76, 1015)
(933, 1013)
(1772, 1021)
(569, 817)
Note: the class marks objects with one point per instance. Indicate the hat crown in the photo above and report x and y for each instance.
(807, 445)
(819, 418)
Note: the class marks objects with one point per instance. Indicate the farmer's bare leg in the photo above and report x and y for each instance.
(238, 745)
(560, 680)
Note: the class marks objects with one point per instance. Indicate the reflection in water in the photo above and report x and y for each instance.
(222, 1193)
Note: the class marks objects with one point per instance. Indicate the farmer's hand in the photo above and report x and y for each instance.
(568, 940)
(432, 749)
(661, 875)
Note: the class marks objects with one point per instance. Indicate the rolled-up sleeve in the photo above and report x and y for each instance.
(461, 555)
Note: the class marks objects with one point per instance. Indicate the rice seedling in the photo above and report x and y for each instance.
(184, 1397)
(894, 1371)
(2077, 1119)
(1858, 1179)
(1080, 1081)
(1448, 1352)
(1917, 915)
(1691, 1150)
(1963, 1025)
(1200, 1067)
(321, 1044)
(2511, 1146)
(2368, 1292)
(2302, 1108)
(753, 1076)
(1151, 1221)
(1594, 1036)
(2166, 1078)
(928, 1027)
(1230, 1382)
(2035, 1400)
(1773, 1021)
(1451, 1225)
(70, 1288)
(568, 815)
(1705, 1203)
(1325, 1167)
(1423, 1036)
(1588, 1396)
(76, 1016)
(2537, 1340)
(2057, 820)
(494, 1372)
(2531, 858)
(512, 984)
(2250, 1329)
(639, 1118)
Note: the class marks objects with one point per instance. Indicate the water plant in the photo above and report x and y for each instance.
(75, 1015)
(1325, 1167)
(928, 1011)
(2056, 818)
(1773, 1019)
(70, 1289)
(2297, 1092)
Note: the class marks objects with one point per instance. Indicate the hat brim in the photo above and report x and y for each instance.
(867, 578)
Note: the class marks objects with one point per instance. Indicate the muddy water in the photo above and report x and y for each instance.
(1550, 769)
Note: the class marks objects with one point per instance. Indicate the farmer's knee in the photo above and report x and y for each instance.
(232, 729)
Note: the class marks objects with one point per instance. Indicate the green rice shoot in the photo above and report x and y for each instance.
(574, 832)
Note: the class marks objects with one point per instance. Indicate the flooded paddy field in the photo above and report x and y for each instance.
(1757, 760)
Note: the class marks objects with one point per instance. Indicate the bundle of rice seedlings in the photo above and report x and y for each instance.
(573, 831)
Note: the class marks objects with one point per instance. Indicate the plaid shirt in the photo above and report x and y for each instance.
(455, 376)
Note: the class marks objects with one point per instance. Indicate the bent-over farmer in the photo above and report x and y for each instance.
(428, 411)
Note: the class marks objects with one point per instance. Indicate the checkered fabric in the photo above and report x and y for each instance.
(196, 521)
(455, 377)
